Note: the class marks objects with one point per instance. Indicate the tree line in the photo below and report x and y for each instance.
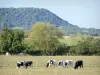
(43, 39)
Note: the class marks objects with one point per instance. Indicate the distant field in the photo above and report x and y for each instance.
(73, 40)
(8, 65)
(69, 40)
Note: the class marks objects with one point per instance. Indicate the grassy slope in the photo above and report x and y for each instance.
(8, 65)
(69, 40)
(73, 40)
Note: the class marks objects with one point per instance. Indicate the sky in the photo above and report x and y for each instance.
(83, 13)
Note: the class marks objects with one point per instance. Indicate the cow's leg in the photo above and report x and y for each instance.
(77, 67)
(31, 65)
(82, 65)
(54, 65)
(49, 65)
(17, 67)
(25, 67)
(59, 66)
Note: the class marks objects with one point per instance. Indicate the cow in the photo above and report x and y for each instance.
(60, 63)
(25, 64)
(48, 64)
(20, 63)
(68, 63)
(28, 63)
(51, 62)
(78, 63)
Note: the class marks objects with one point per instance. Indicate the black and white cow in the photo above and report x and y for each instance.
(60, 63)
(20, 63)
(78, 63)
(28, 63)
(25, 64)
(51, 62)
(68, 63)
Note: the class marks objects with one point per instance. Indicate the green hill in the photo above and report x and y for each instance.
(24, 18)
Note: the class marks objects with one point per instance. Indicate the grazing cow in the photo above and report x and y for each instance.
(60, 63)
(25, 64)
(68, 63)
(51, 62)
(28, 63)
(48, 64)
(20, 63)
(78, 63)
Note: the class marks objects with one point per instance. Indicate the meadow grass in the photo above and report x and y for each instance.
(8, 65)
(70, 41)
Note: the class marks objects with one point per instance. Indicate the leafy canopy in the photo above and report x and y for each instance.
(44, 37)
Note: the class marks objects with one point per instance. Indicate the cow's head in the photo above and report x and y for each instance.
(48, 64)
(75, 67)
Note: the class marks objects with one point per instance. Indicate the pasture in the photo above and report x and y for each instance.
(8, 65)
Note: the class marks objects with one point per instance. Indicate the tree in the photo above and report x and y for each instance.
(90, 46)
(11, 40)
(44, 37)
(17, 43)
(6, 39)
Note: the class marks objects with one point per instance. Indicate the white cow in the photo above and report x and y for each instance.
(20, 63)
(60, 63)
(68, 63)
(51, 62)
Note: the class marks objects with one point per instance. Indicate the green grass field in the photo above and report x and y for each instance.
(8, 65)
(73, 40)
